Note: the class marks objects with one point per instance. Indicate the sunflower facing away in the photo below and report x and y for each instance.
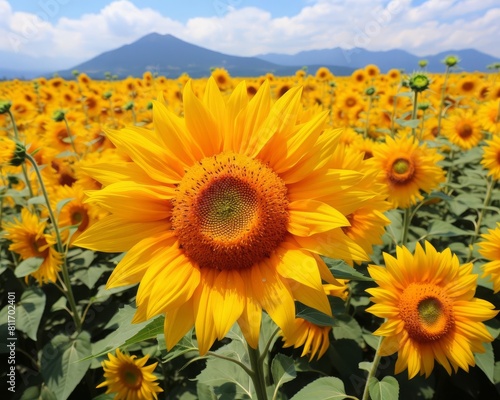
(224, 213)
(491, 157)
(129, 377)
(427, 299)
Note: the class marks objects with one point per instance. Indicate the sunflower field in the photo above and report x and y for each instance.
(301, 237)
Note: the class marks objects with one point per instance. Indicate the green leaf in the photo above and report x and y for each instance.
(226, 377)
(445, 229)
(126, 332)
(90, 275)
(386, 389)
(411, 123)
(186, 345)
(313, 315)
(346, 327)
(63, 363)
(283, 370)
(327, 388)
(486, 361)
(341, 270)
(28, 266)
(36, 200)
(29, 311)
(205, 392)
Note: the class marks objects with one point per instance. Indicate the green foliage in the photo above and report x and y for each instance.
(328, 388)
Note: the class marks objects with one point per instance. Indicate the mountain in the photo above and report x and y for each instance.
(471, 60)
(171, 56)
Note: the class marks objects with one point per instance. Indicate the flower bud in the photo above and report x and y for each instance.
(58, 116)
(419, 82)
(451, 61)
(128, 106)
(4, 106)
(370, 91)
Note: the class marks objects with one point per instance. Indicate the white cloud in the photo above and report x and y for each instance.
(433, 26)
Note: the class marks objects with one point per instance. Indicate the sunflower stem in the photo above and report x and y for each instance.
(450, 171)
(71, 139)
(60, 247)
(373, 370)
(486, 203)
(258, 378)
(441, 103)
(23, 166)
(407, 217)
(414, 114)
(367, 122)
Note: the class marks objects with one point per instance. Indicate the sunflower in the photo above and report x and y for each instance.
(314, 338)
(224, 213)
(491, 157)
(29, 239)
(462, 129)
(323, 74)
(407, 168)
(488, 115)
(490, 249)
(129, 377)
(7, 150)
(222, 78)
(427, 299)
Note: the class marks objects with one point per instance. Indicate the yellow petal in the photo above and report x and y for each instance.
(204, 317)
(173, 132)
(177, 323)
(250, 120)
(274, 294)
(308, 217)
(200, 123)
(115, 235)
(299, 265)
(148, 155)
(212, 98)
(134, 265)
(236, 103)
(135, 202)
(174, 285)
(108, 173)
(251, 317)
(228, 300)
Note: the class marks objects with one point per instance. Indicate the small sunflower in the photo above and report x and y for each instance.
(223, 212)
(491, 157)
(222, 78)
(29, 239)
(462, 128)
(129, 377)
(407, 169)
(490, 249)
(488, 115)
(427, 299)
(7, 150)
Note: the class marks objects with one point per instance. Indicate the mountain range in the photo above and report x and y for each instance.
(170, 56)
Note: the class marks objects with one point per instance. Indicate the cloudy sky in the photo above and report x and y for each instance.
(63, 33)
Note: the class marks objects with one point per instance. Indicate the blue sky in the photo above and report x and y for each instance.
(63, 33)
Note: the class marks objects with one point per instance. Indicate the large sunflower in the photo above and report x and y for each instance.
(407, 169)
(427, 299)
(224, 213)
(462, 128)
(129, 378)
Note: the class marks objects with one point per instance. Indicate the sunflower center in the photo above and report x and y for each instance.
(230, 212)
(426, 311)
(465, 131)
(402, 171)
(131, 376)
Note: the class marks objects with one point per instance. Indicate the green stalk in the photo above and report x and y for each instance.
(373, 370)
(449, 174)
(441, 103)
(486, 203)
(414, 114)
(23, 166)
(60, 248)
(407, 217)
(258, 378)
(71, 139)
(367, 124)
